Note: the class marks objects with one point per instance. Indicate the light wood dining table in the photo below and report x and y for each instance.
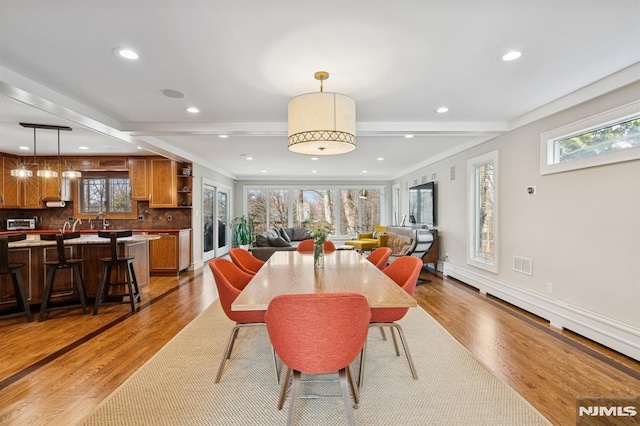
(288, 272)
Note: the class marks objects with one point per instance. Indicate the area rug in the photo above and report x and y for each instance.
(176, 387)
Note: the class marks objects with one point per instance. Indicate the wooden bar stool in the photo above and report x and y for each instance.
(56, 265)
(108, 263)
(7, 268)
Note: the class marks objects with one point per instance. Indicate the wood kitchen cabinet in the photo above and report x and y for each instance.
(138, 178)
(8, 183)
(171, 253)
(29, 191)
(162, 173)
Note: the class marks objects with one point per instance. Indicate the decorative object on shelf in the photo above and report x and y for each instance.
(322, 123)
(185, 189)
(186, 171)
(242, 231)
(319, 233)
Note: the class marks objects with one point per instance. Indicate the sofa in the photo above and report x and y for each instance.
(278, 239)
(369, 240)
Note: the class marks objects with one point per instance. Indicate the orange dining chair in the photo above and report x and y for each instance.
(380, 257)
(307, 246)
(404, 271)
(230, 281)
(245, 260)
(318, 333)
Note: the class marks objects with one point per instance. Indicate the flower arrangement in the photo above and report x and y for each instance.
(320, 231)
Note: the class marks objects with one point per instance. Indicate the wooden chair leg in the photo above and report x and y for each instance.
(21, 297)
(295, 389)
(80, 287)
(132, 298)
(46, 297)
(106, 275)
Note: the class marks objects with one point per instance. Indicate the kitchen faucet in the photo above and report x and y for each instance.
(76, 222)
(64, 227)
(104, 220)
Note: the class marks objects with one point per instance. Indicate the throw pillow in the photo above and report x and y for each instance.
(289, 232)
(375, 234)
(300, 234)
(278, 242)
(284, 234)
(272, 233)
(261, 241)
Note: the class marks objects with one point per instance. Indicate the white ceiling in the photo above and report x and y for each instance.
(240, 62)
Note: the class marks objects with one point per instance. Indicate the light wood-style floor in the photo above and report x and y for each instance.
(57, 371)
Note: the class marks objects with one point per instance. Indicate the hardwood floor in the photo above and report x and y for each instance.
(57, 371)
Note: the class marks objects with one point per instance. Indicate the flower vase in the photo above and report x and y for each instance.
(318, 255)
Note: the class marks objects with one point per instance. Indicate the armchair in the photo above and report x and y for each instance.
(370, 240)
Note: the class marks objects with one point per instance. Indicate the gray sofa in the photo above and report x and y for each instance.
(278, 239)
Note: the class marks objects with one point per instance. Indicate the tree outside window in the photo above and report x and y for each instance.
(104, 194)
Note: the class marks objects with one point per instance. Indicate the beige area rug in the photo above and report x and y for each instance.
(176, 386)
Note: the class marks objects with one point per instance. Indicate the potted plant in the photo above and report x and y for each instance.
(242, 232)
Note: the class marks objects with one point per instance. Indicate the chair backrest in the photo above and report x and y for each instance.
(380, 257)
(319, 332)
(423, 242)
(405, 271)
(4, 249)
(245, 260)
(59, 239)
(113, 238)
(230, 281)
(307, 246)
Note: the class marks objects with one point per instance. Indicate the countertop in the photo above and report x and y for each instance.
(33, 240)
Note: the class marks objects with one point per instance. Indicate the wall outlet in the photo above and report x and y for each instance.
(70, 218)
(169, 218)
(140, 218)
(549, 287)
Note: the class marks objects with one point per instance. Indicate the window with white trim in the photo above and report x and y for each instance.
(610, 137)
(482, 235)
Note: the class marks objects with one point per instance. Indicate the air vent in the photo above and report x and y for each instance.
(434, 177)
(522, 265)
(452, 173)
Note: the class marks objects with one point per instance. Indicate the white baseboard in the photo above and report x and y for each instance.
(606, 331)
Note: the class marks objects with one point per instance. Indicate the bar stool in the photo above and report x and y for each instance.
(14, 269)
(56, 265)
(108, 263)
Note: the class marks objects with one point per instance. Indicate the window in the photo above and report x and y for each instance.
(482, 239)
(342, 207)
(606, 138)
(108, 193)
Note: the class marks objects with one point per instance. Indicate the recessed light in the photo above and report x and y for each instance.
(139, 147)
(263, 171)
(24, 148)
(193, 110)
(442, 110)
(408, 136)
(314, 171)
(132, 55)
(170, 93)
(364, 171)
(380, 159)
(314, 158)
(249, 158)
(510, 56)
(223, 136)
(84, 148)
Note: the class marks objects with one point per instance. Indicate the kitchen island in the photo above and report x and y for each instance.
(33, 253)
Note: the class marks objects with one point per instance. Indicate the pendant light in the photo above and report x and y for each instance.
(22, 171)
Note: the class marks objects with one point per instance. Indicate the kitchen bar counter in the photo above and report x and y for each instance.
(33, 253)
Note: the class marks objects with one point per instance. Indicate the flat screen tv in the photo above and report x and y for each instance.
(422, 204)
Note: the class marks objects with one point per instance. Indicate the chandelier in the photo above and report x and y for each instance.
(322, 123)
(45, 172)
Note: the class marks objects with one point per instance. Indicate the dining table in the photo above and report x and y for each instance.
(291, 272)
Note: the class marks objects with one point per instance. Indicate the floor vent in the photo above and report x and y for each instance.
(522, 265)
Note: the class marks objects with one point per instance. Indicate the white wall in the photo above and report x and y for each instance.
(581, 230)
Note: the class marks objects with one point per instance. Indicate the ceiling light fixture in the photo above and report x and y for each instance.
(127, 54)
(193, 110)
(223, 136)
(322, 123)
(442, 110)
(511, 56)
(408, 136)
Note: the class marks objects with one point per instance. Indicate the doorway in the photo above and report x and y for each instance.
(215, 220)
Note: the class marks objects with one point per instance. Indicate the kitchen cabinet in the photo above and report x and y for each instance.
(29, 191)
(163, 172)
(171, 253)
(138, 178)
(184, 184)
(8, 183)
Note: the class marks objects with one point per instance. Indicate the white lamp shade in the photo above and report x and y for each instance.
(322, 123)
